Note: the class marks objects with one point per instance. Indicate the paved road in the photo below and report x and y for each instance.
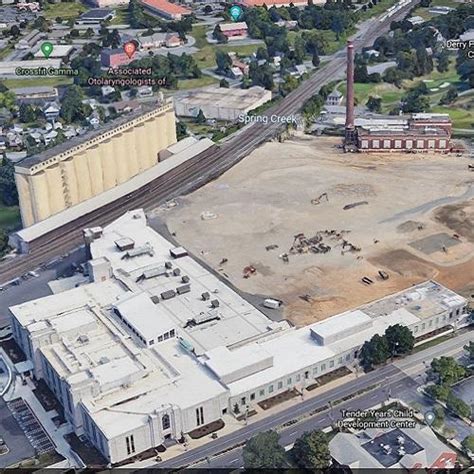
(395, 378)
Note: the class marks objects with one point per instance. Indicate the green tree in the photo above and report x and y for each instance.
(27, 113)
(439, 416)
(311, 451)
(448, 370)
(439, 392)
(218, 35)
(442, 64)
(374, 352)
(4, 247)
(200, 117)
(72, 108)
(223, 61)
(450, 96)
(458, 406)
(264, 452)
(8, 191)
(468, 443)
(7, 100)
(315, 60)
(224, 83)
(469, 348)
(374, 104)
(400, 339)
(181, 130)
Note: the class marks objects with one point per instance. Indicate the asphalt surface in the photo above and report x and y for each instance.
(14, 437)
(200, 169)
(395, 380)
(36, 287)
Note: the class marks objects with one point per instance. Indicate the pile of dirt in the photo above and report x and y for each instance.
(410, 226)
(458, 217)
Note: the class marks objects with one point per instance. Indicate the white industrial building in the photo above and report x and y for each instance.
(221, 103)
(154, 345)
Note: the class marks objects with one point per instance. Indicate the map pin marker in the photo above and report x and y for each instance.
(429, 417)
(129, 49)
(235, 12)
(47, 49)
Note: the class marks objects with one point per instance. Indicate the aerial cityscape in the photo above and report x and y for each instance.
(237, 235)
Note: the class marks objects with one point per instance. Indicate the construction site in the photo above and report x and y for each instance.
(323, 231)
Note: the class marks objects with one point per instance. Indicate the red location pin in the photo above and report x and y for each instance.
(130, 49)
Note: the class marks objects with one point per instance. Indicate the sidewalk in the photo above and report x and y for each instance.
(232, 424)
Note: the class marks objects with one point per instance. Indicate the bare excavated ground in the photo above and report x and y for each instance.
(412, 205)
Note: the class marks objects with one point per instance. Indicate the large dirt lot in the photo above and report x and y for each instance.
(416, 223)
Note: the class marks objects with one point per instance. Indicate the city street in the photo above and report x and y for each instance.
(397, 380)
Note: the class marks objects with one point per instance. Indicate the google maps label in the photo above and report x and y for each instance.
(235, 12)
(47, 49)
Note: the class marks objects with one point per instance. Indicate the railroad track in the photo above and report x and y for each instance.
(194, 173)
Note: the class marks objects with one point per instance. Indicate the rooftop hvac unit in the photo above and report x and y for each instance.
(185, 279)
(135, 252)
(154, 272)
(178, 252)
(125, 243)
(176, 272)
(155, 299)
(205, 296)
(168, 265)
(83, 339)
(104, 360)
(215, 303)
(183, 289)
(166, 295)
(205, 317)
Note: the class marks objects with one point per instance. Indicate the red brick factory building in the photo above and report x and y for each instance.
(420, 132)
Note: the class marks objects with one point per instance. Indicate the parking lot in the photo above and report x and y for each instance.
(19, 448)
(27, 421)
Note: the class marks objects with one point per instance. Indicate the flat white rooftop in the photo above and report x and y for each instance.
(234, 319)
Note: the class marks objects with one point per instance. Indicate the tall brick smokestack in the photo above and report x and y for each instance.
(350, 88)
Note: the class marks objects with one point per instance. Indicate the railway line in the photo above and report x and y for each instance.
(196, 172)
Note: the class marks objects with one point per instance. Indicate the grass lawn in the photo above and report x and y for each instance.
(121, 17)
(204, 80)
(432, 343)
(334, 44)
(379, 9)
(5, 51)
(391, 95)
(39, 81)
(64, 10)
(206, 57)
(9, 218)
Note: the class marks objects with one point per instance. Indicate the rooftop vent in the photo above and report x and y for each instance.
(205, 317)
(176, 272)
(125, 243)
(135, 252)
(215, 303)
(168, 265)
(155, 299)
(83, 339)
(185, 279)
(166, 295)
(104, 360)
(183, 289)
(154, 272)
(205, 296)
(178, 252)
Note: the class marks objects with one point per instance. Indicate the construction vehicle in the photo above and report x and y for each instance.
(383, 275)
(367, 280)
